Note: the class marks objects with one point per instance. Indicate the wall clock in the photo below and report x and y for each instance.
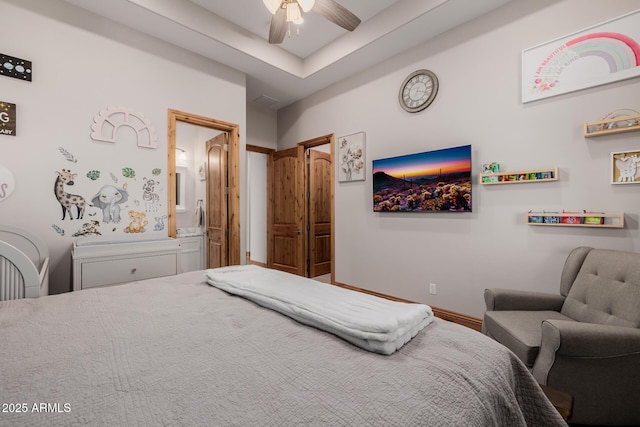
(418, 91)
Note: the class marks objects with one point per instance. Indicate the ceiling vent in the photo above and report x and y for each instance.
(265, 101)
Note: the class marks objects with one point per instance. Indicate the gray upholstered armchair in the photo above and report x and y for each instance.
(584, 341)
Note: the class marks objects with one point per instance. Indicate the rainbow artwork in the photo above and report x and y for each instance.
(582, 60)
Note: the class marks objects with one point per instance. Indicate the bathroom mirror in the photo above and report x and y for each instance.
(181, 192)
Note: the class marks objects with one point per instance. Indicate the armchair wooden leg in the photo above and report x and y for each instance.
(562, 401)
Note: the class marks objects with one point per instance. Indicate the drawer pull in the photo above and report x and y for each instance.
(133, 270)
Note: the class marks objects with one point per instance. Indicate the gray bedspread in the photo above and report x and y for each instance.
(176, 351)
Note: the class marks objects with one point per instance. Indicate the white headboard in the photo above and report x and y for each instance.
(24, 264)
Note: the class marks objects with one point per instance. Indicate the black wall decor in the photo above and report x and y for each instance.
(15, 67)
(7, 118)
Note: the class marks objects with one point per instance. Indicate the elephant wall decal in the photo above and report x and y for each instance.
(109, 199)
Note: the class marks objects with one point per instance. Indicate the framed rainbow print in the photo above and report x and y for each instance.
(605, 53)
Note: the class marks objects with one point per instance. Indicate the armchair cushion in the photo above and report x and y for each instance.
(606, 290)
(519, 330)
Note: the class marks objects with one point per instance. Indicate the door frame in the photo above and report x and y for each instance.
(233, 174)
(315, 142)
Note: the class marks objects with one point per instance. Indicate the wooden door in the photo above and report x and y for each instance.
(285, 211)
(216, 214)
(319, 191)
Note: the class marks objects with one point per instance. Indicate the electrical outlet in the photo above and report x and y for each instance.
(432, 288)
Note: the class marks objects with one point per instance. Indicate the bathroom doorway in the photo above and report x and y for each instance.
(217, 166)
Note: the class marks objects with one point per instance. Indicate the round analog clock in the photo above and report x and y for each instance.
(418, 90)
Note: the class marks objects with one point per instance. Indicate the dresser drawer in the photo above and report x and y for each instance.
(98, 262)
(113, 271)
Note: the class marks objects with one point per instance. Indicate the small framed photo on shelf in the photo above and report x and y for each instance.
(490, 168)
(625, 167)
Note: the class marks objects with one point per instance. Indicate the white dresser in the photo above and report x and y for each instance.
(99, 262)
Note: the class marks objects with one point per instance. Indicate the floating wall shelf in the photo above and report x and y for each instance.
(577, 219)
(519, 177)
(611, 126)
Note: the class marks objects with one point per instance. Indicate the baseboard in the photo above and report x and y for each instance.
(260, 264)
(459, 318)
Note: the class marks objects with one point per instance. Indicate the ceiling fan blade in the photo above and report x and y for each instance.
(278, 27)
(336, 14)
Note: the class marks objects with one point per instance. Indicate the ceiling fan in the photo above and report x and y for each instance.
(286, 11)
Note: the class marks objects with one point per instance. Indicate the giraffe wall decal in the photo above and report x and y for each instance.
(65, 199)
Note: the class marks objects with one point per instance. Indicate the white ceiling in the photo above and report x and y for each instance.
(235, 33)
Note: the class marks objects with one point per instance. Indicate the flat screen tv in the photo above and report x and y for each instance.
(433, 181)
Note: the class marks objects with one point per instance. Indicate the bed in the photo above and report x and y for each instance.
(24, 264)
(177, 351)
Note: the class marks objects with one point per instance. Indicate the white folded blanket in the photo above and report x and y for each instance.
(373, 323)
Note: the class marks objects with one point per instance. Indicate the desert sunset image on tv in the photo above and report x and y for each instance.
(433, 181)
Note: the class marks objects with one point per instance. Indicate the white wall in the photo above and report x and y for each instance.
(478, 66)
(257, 204)
(83, 64)
(262, 127)
(186, 140)
(261, 132)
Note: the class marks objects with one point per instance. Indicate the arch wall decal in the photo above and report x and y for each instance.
(106, 124)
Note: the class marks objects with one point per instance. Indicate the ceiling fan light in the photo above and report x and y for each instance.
(293, 12)
(306, 5)
(272, 5)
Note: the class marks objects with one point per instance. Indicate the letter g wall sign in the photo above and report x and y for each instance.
(7, 118)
